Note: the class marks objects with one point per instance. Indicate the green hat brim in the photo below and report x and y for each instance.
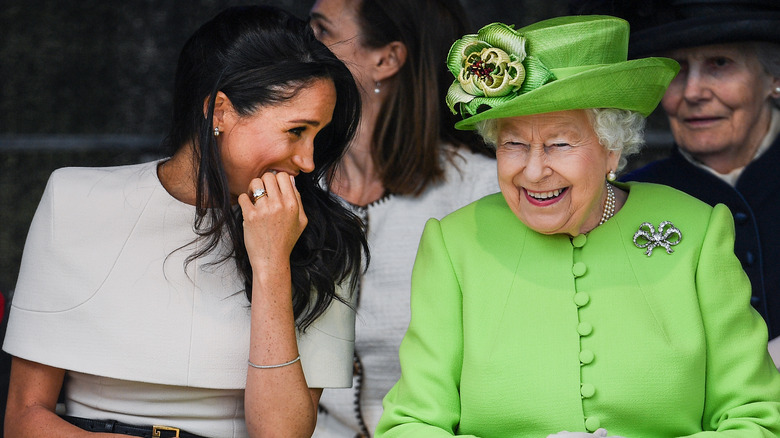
(636, 85)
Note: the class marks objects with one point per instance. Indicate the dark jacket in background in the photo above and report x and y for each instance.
(755, 204)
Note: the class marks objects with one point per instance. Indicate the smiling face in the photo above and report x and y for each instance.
(277, 138)
(719, 104)
(551, 171)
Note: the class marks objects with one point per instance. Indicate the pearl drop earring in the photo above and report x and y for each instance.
(216, 131)
(611, 176)
(376, 88)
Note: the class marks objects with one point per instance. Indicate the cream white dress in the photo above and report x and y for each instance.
(104, 294)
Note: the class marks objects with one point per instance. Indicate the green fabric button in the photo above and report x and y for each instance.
(585, 328)
(592, 424)
(587, 390)
(586, 357)
(581, 299)
(579, 240)
(579, 269)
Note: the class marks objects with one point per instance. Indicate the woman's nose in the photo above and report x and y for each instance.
(303, 158)
(697, 87)
(536, 166)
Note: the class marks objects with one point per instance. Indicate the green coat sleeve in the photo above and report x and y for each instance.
(425, 402)
(742, 384)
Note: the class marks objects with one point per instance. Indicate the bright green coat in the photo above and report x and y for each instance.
(518, 334)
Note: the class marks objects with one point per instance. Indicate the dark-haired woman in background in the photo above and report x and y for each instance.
(204, 294)
(406, 164)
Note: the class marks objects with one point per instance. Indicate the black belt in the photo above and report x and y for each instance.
(111, 426)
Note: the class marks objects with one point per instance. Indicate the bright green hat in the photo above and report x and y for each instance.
(558, 64)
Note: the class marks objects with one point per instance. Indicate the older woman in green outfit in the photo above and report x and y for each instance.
(568, 304)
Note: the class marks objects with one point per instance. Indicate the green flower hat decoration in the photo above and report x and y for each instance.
(490, 67)
(559, 64)
(491, 72)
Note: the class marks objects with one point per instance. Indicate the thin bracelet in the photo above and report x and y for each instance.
(263, 367)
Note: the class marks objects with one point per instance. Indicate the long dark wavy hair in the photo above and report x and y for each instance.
(260, 56)
(414, 119)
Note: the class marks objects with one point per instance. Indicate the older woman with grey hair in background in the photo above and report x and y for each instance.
(569, 304)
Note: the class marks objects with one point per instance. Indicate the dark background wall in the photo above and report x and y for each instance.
(88, 83)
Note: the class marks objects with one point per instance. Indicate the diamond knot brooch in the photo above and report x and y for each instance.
(667, 236)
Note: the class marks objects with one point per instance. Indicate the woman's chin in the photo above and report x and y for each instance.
(542, 226)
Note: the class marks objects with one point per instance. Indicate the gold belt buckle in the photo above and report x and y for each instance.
(157, 429)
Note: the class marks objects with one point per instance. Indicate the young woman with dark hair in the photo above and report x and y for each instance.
(209, 292)
(406, 164)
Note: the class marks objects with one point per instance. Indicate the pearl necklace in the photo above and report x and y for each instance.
(609, 206)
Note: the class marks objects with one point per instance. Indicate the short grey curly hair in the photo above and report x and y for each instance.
(618, 130)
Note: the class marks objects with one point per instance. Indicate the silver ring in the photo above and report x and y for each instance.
(257, 194)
